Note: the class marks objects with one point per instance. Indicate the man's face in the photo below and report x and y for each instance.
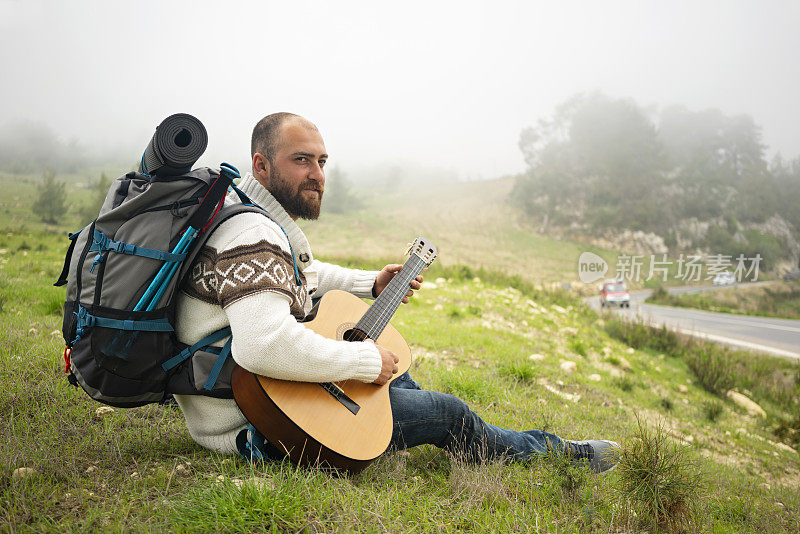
(297, 175)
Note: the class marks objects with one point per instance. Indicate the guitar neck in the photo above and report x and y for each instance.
(377, 316)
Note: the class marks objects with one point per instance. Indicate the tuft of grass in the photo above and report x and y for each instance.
(572, 478)
(666, 403)
(578, 347)
(24, 246)
(474, 310)
(455, 313)
(712, 409)
(52, 304)
(624, 383)
(519, 370)
(658, 480)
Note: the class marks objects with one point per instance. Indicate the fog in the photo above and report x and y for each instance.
(448, 85)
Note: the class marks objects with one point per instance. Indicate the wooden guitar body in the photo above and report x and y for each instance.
(313, 423)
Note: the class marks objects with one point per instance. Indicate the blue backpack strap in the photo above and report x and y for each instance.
(253, 446)
(217, 368)
(187, 353)
(87, 320)
(102, 242)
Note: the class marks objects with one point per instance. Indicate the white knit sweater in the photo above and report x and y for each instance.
(244, 279)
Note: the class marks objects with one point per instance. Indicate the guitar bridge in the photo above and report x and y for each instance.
(338, 393)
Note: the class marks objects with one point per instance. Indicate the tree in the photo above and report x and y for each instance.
(339, 197)
(99, 190)
(51, 203)
(597, 160)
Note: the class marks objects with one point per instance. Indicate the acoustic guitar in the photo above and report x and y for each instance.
(341, 425)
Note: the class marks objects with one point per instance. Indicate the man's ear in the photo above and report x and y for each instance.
(261, 169)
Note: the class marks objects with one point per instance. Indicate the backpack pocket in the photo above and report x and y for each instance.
(112, 355)
(203, 367)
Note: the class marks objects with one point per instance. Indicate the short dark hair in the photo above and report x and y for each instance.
(265, 134)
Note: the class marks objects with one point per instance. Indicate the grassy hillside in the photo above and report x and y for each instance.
(496, 342)
(471, 223)
(520, 355)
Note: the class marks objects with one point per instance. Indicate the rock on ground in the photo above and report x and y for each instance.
(103, 411)
(568, 366)
(749, 405)
(22, 472)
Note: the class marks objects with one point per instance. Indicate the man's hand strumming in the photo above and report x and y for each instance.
(388, 364)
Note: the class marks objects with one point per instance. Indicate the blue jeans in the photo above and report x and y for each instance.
(427, 417)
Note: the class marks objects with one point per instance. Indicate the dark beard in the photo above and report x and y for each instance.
(292, 199)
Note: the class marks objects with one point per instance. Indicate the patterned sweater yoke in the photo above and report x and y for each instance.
(244, 277)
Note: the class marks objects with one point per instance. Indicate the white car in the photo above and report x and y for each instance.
(724, 279)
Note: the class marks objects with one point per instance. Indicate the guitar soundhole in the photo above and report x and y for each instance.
(354, 335)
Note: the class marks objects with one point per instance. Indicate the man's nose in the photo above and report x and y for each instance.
(317, 173)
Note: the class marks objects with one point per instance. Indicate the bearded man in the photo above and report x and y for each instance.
(288, 180)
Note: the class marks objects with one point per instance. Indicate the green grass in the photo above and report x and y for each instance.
(660, 481)
(138, 469)
(717, 368)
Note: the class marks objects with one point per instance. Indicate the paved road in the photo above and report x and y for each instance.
(777, 336)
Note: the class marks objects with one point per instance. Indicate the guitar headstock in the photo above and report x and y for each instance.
(423, 249)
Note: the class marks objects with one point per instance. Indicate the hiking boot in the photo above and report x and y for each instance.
(600, 455)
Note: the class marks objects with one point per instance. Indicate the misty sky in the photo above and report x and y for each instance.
(445, 84)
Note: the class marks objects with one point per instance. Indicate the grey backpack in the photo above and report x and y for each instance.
(122, 274)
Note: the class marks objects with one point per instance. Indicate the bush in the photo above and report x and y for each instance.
(717, 368)
(710, 365)
(519, 370)
(99, 192)
(578, 347)
(712, 409)
(339, 196)
(50, 205)
(789, 431)
(658, 479)
(624, 383)
(639, 335)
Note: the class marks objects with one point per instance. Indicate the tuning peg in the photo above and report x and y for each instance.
(408, 250)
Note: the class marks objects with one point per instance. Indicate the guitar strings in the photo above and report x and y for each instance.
(395, 288)
(380, 314)
(392, 291)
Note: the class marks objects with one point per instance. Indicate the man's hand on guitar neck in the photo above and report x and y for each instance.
(386, 275)
(388, 364)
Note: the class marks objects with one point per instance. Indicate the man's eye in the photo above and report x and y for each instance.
(302, 158)
(322, 162)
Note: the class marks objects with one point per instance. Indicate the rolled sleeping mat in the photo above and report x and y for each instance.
(177, 144)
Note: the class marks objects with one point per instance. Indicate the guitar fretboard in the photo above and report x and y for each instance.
(377, 316)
